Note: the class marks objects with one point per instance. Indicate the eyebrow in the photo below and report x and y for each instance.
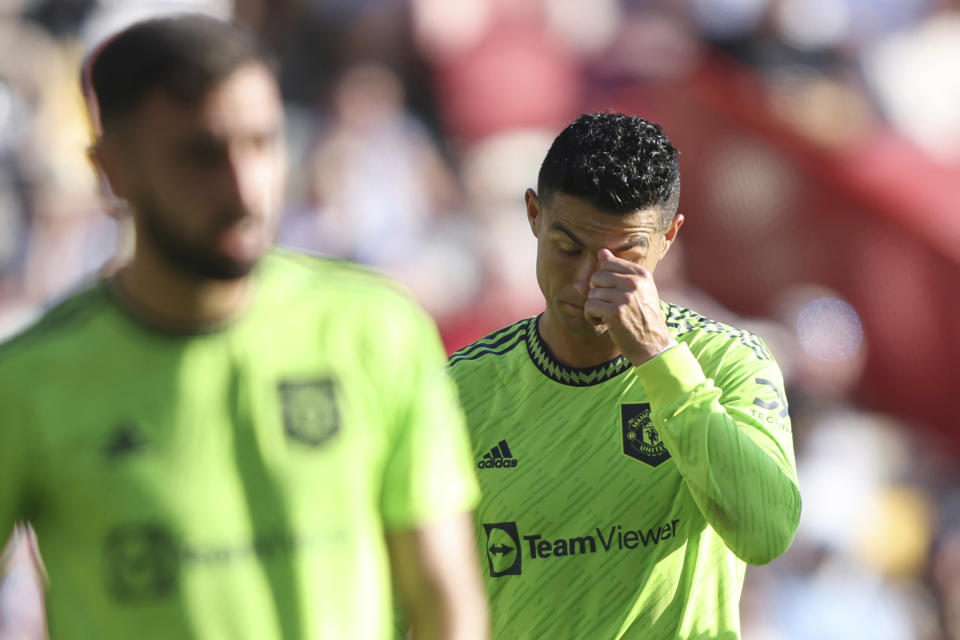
(636, 241)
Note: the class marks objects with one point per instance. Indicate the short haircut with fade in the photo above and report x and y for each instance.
(185, 55)
(617, 163)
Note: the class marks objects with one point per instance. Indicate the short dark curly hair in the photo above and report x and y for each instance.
(617, 163)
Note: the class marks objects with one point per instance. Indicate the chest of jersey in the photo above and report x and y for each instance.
(573, 471)
(209, 461)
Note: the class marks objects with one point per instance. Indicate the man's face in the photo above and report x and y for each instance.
(205, 181)
(570, 232)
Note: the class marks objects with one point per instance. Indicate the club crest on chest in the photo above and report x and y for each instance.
(641, 438)
(310, 412)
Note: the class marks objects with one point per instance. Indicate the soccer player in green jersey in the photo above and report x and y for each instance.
(633, 455)
(214, 445)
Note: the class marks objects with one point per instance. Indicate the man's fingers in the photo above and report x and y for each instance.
(596, 310)
(613, 280)
(610, 295)
(611, 263)
(608, 306)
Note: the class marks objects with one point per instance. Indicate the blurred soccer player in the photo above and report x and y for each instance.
(221, 441)
(633, 455)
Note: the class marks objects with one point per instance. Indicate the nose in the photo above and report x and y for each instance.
(246, 178)
(585, 270)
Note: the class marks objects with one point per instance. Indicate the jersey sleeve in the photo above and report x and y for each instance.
(731, 440)
(429, 473)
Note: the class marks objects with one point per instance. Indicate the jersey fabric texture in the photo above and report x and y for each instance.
(621, 501)
(237, 483)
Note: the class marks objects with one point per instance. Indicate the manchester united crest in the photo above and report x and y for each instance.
(641, 438)
(310, 413)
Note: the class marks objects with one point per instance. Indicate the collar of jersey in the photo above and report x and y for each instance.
(550, 367)
(145, 320)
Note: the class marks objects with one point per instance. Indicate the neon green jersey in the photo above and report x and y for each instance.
(234, 484)
(625, 502)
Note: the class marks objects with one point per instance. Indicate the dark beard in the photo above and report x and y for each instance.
(189, 259)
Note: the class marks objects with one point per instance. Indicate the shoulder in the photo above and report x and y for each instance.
(302, 270)
(351, 303)
(492, 350)
(291, 277)
(709, 338)
(55, 333)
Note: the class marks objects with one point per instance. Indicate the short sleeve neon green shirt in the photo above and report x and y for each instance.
(237, 483)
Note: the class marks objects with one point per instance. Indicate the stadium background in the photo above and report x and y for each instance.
(820, 146)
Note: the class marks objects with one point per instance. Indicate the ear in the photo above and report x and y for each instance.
(671, 233)
(112, 169)
(533, 210)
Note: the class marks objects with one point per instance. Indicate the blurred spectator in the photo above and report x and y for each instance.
(380, 193)
(496, 171)
(50, 213)
(654, 41)
(856, 567)
(498, 64)
(913, 76)
(945, 561)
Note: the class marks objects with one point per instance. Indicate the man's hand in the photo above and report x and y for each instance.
(624, 297)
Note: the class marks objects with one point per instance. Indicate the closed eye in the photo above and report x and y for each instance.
(203, 152)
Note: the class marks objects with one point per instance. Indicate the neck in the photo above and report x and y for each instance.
(171, 298)
(577, 350)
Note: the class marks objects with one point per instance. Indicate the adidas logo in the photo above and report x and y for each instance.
(499, 457)
(124, 440)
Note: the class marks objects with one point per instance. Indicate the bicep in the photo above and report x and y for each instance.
(755, 398)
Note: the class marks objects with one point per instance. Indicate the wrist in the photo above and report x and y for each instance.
(639, 358)
(669, 345)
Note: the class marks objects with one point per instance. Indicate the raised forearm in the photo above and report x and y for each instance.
(740, 471)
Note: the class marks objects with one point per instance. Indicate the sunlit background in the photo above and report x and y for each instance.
(820, 146)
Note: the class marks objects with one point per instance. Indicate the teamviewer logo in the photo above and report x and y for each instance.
(503, 549)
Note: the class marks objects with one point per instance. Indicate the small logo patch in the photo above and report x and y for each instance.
(641, 438)
(310, 413)
(503, 549)
(772, 412)
(500, 457)
(141, 562)
(779, 405)
(124, 440)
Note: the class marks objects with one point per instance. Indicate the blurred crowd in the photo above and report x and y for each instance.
(415, 126)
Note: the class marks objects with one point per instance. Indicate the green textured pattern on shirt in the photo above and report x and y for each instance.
(234, 484)
(625, 503)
